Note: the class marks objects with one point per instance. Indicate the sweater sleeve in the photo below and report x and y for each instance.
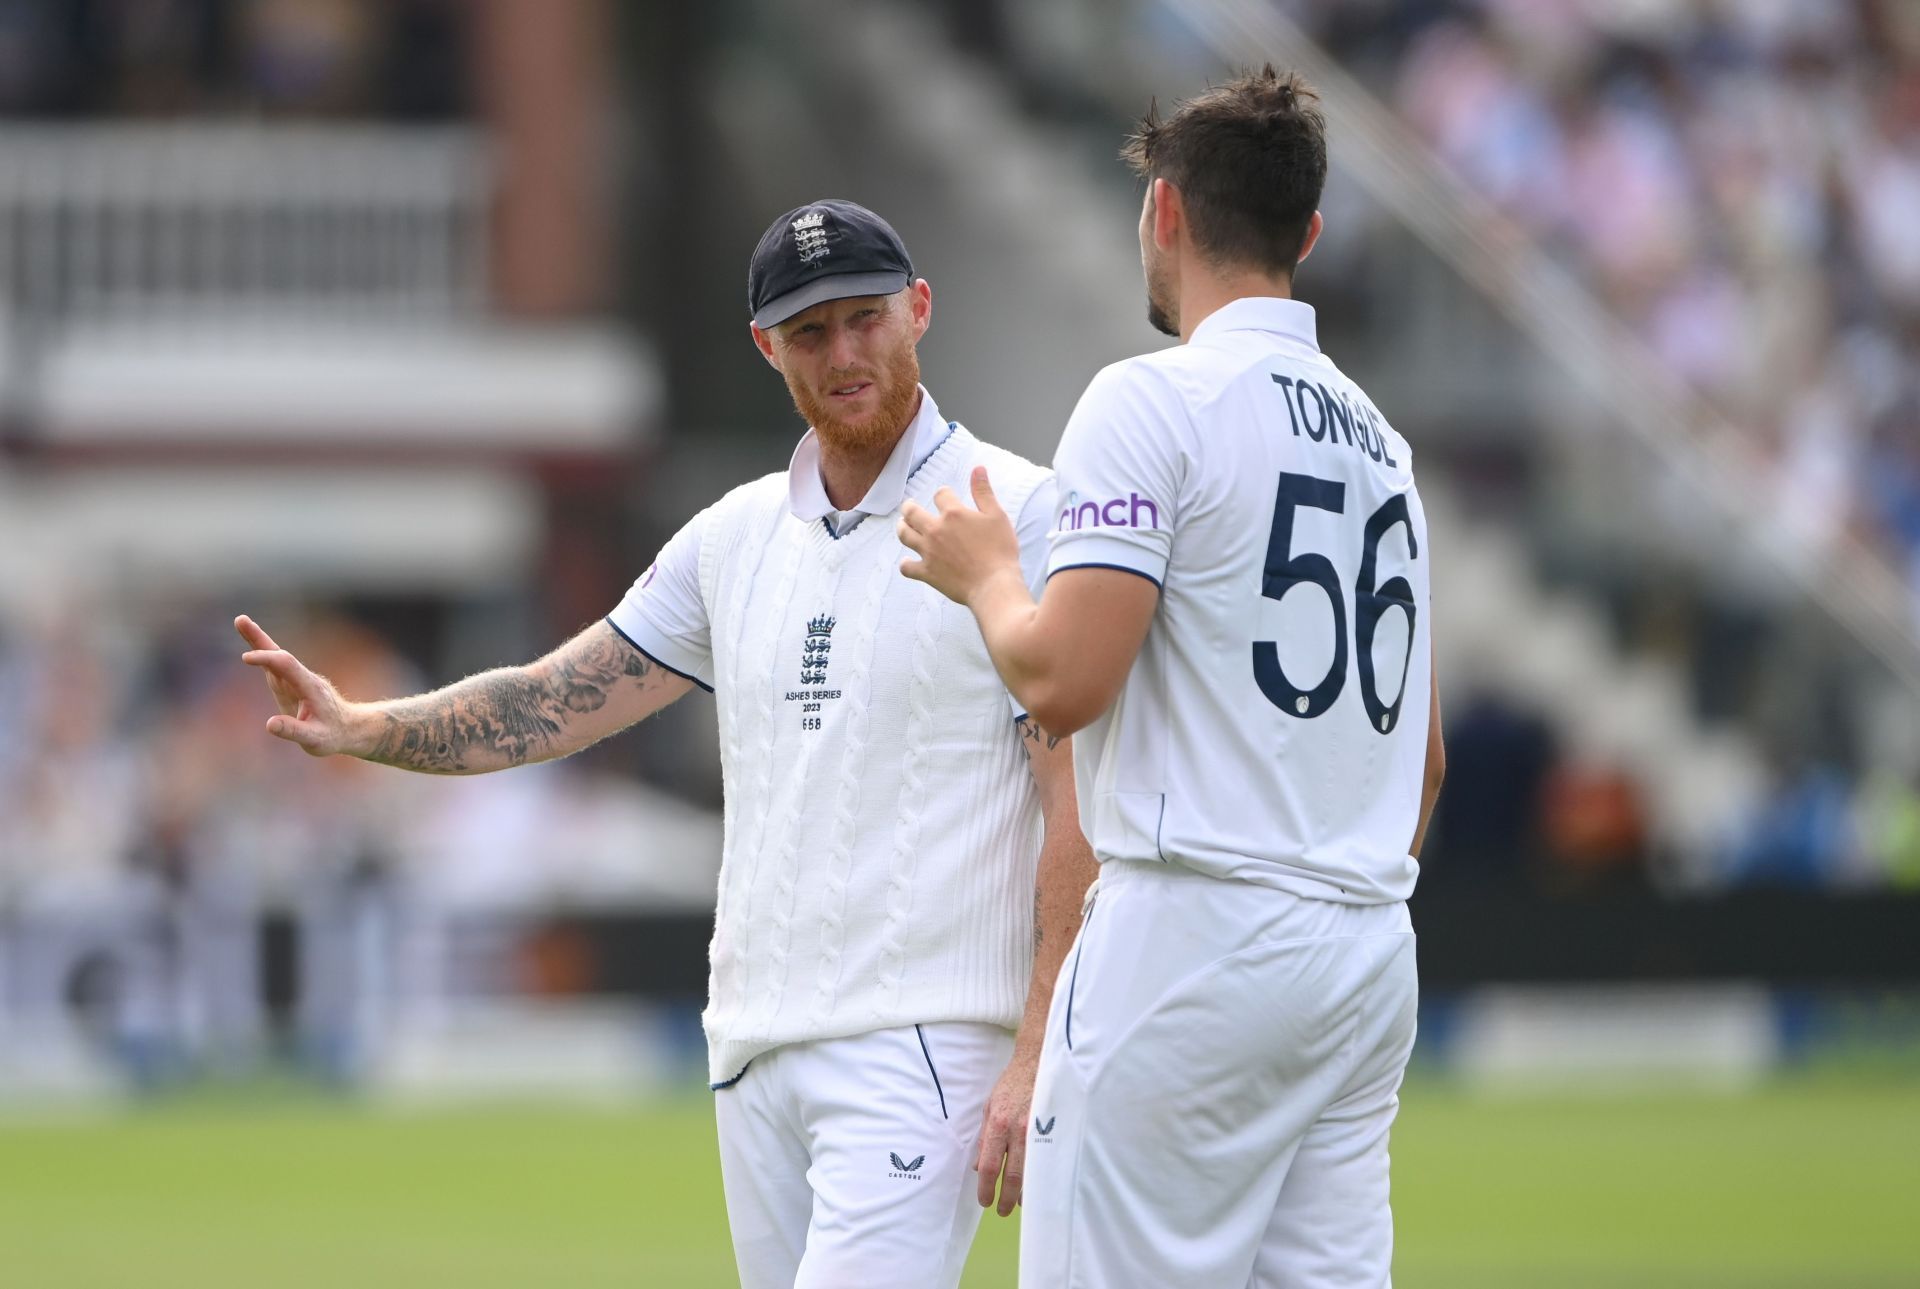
(663, 614)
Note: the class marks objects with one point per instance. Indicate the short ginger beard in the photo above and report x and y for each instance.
(899, 387)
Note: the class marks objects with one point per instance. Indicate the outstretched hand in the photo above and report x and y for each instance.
(961, 548)
(312, 713)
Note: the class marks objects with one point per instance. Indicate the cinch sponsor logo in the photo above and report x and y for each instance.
(1121, 512)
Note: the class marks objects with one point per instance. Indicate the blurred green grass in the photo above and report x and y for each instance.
(1807, 1182)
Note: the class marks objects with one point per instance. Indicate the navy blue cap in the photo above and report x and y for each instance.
(824, 250)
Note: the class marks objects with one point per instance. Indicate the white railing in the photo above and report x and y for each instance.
(157, 219)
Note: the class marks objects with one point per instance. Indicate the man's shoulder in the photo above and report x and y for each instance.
(1005, 461)
(1178, 375)
(755, 495)
(1013, 475)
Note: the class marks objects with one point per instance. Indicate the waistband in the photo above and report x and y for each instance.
(1175, 883)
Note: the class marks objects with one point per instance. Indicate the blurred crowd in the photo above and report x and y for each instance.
(1739, 182)
(143, 830)
(149, 825)
(1524, 813)
(397, 59)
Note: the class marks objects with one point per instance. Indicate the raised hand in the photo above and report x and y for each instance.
(312, 713)
(961, 548)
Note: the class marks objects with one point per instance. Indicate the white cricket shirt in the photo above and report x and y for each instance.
(881, 825)
(1274, 727)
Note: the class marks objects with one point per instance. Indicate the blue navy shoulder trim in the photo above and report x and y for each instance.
(655, 661)
(933, 451)
(1121, 568)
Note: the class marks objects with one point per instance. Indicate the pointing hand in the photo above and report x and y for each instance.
(312, 713)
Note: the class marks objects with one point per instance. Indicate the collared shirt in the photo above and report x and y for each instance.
(1133, 530)
(1289, 320)
(663, 614)
(807, 491)
(1273, 728)
(881, 820)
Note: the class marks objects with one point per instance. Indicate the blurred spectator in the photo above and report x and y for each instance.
(1594, 824)
(308, 56)
(148, 824)
(1487, 823)
(405, 59)
(70, 799)
(1806, 836)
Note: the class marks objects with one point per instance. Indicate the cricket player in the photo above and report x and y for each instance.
(888, 912)
(1236, 629)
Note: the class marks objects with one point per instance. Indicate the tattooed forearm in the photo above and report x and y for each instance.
(1031, 734)
(503, 716)
(516, 714)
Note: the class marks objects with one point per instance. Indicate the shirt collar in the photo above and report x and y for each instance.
(807, 495)
(1290, 318)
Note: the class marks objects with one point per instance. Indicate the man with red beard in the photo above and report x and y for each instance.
(903, 865)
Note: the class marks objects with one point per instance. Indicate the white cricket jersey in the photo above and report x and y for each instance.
(1274, 727)
(881, 825)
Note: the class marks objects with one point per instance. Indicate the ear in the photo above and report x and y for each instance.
(1314, 226)
(920, 301)
(763, 341)
(1169, 214)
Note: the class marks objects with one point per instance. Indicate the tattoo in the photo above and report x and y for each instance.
(513, 715)
(1030, 736)
(1029, 732)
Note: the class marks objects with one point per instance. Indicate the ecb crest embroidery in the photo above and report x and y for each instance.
(813, 659)
(811, 695)
(810, 236)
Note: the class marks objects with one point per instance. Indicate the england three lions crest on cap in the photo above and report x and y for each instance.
(810, 236)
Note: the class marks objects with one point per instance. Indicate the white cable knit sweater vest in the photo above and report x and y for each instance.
(881, 824)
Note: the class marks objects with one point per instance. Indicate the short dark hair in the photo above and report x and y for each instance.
(1250, 159)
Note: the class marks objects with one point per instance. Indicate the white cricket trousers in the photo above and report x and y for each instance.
(847, 1161)
(1221, 1069)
